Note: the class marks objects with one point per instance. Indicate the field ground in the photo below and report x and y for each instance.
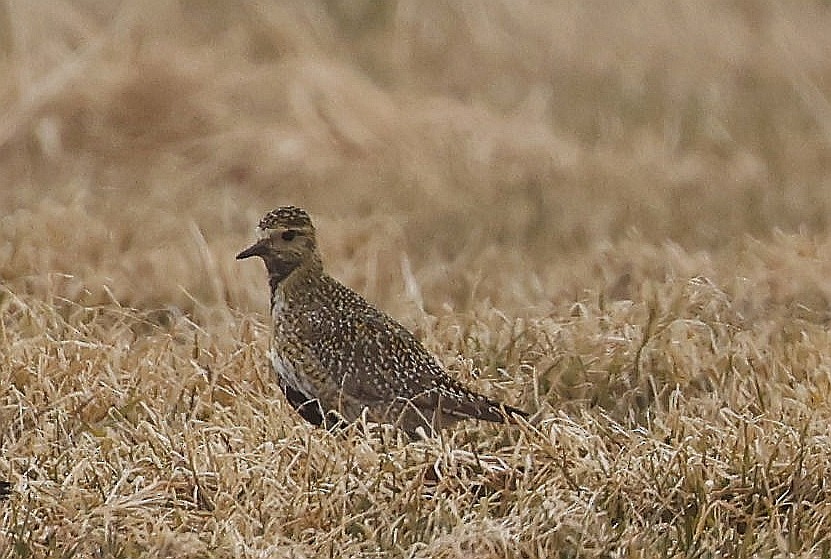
(615, 215)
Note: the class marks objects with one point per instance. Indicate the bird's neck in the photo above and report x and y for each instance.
(284, 275)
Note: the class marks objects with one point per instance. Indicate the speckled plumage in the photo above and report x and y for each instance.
(336, 356)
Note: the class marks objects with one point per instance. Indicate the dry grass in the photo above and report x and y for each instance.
(614, 214)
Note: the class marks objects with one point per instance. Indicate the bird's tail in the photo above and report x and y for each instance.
(508, 412)
(489, 410)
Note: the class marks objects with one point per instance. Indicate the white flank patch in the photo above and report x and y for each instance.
(287, 374)
(277, 303)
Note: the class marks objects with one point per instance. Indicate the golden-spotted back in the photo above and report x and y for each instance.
(336, 356)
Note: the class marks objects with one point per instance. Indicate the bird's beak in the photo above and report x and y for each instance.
(257, 249)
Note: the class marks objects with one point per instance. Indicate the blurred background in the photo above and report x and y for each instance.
(524, 152)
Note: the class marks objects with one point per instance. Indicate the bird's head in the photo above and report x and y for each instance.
(286, 242)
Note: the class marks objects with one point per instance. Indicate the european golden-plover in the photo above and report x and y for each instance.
(337, 357)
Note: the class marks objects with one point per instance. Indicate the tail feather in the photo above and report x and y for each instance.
(485, 409)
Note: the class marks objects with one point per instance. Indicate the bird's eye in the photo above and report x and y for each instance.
(289, 235)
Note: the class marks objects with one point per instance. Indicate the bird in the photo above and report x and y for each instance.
(338, 358)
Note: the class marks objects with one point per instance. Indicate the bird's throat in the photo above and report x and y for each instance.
(279, 270)
(281, 273)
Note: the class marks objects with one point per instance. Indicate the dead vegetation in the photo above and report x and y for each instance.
(614, 215)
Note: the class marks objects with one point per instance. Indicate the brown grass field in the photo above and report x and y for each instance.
(616, 215)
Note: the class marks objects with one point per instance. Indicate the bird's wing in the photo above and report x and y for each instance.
(374, 358)
(398, 366)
